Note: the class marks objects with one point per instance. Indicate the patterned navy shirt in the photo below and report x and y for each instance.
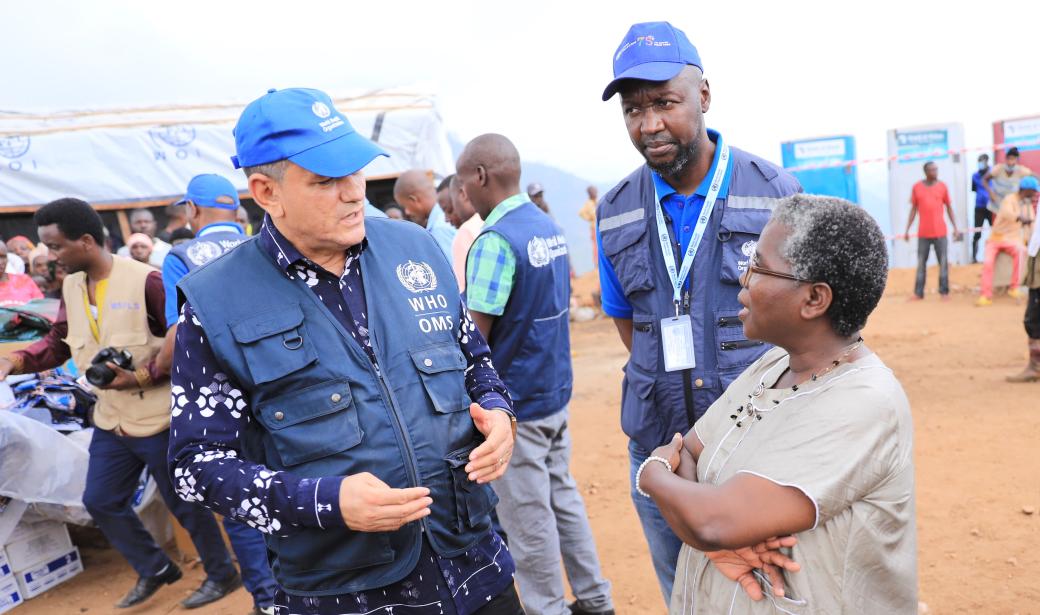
(210, 409)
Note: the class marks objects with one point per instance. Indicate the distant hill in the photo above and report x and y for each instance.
(565, 193)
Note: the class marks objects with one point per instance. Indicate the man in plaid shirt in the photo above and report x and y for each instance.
(518, 291)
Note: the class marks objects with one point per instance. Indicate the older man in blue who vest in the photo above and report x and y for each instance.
(674, 238)
(211, 207)
(518, 290)
(331, 391)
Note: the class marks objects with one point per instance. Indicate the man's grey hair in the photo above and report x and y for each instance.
(835, 242)
(275, 170)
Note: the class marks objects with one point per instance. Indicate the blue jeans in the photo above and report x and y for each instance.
(115, 465)
(251, 551)
(664, 544)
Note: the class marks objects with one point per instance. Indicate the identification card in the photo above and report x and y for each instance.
(677, 343)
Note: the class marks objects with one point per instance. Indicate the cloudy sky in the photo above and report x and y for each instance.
(534, 70)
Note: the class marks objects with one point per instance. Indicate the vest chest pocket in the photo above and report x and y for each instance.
(312, 423)
(275, 343)
(629, 253)
(738, 233)
(441, 368)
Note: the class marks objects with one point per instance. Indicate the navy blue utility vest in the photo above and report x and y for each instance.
(201, 250)
(656, 404)
(530, 342)
(321, 408)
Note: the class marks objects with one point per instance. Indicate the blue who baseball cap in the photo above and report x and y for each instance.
(652, 51)
(1029, 182)
(303, 126)
(207, 191)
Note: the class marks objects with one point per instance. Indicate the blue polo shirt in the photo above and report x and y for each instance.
(683, 211)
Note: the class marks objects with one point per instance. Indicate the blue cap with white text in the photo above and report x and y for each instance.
(211, 190)
(303, 126)
(652, 51)
(1029, 182)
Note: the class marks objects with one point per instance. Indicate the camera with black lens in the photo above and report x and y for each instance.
(99, 374)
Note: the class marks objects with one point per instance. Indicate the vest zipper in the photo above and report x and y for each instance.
(687, 377)
(413, 471)
(739, 344)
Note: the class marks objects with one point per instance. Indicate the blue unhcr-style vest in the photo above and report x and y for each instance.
(204, 248)
(321, 408)
(656, 404)
(530, 342)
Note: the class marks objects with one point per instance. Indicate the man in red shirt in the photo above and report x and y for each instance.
(928, 198)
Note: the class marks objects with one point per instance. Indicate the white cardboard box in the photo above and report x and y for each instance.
(10, 513)
(46, 575)
(10, 594)
(5, 568)
(40, 542)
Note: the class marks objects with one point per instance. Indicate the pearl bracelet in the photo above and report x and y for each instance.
(642, 466)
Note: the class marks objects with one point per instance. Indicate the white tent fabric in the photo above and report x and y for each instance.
(150, 154)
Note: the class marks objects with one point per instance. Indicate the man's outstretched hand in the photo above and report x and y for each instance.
(370, 505)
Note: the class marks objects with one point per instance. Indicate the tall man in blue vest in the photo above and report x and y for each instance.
(674, 238)
(330, 390)
(518, 290)
(211, 206)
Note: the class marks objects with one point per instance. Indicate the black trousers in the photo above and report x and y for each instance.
(1032, 319)
(506, 603)
(981, 215)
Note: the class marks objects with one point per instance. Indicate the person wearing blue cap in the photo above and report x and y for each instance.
(674, 238)
(212, 205)
(330, 389)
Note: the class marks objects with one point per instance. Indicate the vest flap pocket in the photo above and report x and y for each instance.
(744, 220)
(313, 422)
(275, 343)
(738, 234)
(436, 359)
(441, 368)
(267, 324)
(640, 382)
(473, 501)
(631, 226)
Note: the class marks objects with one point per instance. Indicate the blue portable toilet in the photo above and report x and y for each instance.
(822, 165)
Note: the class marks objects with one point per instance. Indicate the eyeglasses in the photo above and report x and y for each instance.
(754, 268)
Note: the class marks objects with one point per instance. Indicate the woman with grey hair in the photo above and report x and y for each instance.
(812, 444)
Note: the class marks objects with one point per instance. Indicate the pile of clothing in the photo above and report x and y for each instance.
(54, 399)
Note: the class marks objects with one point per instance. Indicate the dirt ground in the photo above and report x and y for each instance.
(977, 468)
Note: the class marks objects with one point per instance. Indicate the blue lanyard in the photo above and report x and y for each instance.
(678, 277)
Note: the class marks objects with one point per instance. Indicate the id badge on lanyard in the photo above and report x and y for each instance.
(677, 331)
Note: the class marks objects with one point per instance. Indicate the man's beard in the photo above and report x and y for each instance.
(683, 156)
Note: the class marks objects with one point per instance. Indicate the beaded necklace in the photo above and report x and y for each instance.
(750, 411)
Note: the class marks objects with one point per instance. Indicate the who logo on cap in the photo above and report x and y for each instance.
(303, 126)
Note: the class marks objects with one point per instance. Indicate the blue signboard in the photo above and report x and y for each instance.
(1024, 133)
(915, 146)
(823, 166)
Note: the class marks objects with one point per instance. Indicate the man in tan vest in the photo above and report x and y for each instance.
(118, 303)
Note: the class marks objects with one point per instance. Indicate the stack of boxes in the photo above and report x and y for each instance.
(10, 595)
(34, 558)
